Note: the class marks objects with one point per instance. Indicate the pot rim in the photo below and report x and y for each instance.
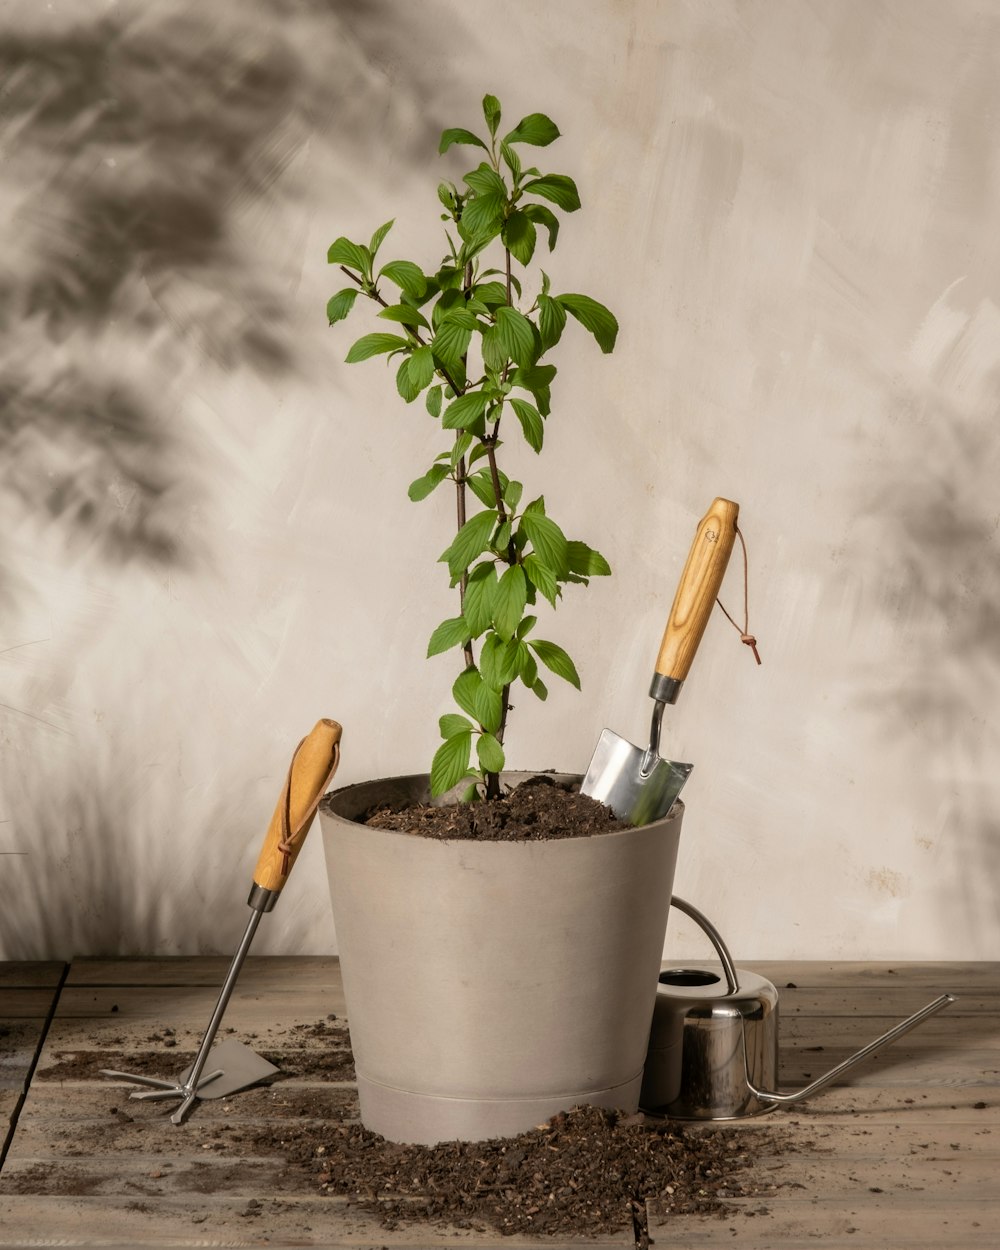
(450, 797)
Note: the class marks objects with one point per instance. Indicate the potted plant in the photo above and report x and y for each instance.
(489, 983)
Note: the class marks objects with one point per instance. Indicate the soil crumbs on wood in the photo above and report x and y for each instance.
(540, 808)
(584, 1172)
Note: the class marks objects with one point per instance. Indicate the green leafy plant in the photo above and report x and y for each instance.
(474, 340)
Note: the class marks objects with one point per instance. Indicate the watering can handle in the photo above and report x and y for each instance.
(715, 937)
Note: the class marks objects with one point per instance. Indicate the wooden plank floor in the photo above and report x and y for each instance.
(904, 1152)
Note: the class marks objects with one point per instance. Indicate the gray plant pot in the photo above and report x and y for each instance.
(490, 985)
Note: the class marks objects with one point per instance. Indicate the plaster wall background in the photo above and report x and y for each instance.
(204, 532)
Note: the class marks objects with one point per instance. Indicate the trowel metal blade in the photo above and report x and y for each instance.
(240, 1066)
(618, 779)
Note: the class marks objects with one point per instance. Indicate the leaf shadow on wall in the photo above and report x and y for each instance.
(97, 878)
(936, 532)
(135, 148)
(132, 150)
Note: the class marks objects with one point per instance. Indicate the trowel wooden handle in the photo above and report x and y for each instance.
(311, 771)
(699, 586)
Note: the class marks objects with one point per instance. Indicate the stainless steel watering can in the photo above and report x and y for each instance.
(713, 1045)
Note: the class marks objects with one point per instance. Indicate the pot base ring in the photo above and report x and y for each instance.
(425, 1119)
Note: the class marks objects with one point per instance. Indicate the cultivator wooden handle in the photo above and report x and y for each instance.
(311, 771)
(695, 597)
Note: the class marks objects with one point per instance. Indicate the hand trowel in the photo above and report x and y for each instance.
(635, 782)
(232, 1065)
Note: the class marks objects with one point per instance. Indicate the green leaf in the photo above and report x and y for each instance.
(527, 669)
(465, 690)
(405, 315)
(536, 129)
(559, 188)
(447, 191)
(456, 134)
(586, 561)
(461, 445)
(556, 660)
(551, 320)
(482, 218)
(451, 724)
(406, 275)
(422, 367)
(540, 689)
(423, 486)
(478, 605)
(434, 400)
(450, 763)
(547, 539)
(516, 334)
(531, 423)
(451, 341)
(494, 354)
(512, 159)
(486, 181)
(490, 753)
(373, 345)
(489, 707)
(450, 633)
(489, 660)
(481, 485)
(406, 383)
(463, 413)
(492, 294)
(537, 379)
(512, 494)
(594, 317)
(343, 252)
(379, 235)
(491, 111)
(473, 695)
(541, 577)
(543, 216)
(526, 626)
(518, 234)
(470, 541)
(339, 305)
(509, 601)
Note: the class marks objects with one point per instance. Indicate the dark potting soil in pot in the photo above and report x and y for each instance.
(541, 808)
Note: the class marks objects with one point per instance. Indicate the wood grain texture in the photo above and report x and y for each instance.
(22, 975)
(905, 1153)
(311, 771)
(698, 588)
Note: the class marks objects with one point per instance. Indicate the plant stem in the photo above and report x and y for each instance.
(467, 651)
(492, 780)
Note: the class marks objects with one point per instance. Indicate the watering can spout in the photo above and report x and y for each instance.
(713, 1046)
(828, 1078)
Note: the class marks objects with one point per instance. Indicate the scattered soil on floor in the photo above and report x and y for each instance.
(584, 1172)
(317, 1051)
(540, 808)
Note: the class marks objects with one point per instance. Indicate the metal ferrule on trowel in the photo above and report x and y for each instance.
(638, 784)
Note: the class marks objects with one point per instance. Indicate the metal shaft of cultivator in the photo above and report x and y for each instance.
(188, 1091)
